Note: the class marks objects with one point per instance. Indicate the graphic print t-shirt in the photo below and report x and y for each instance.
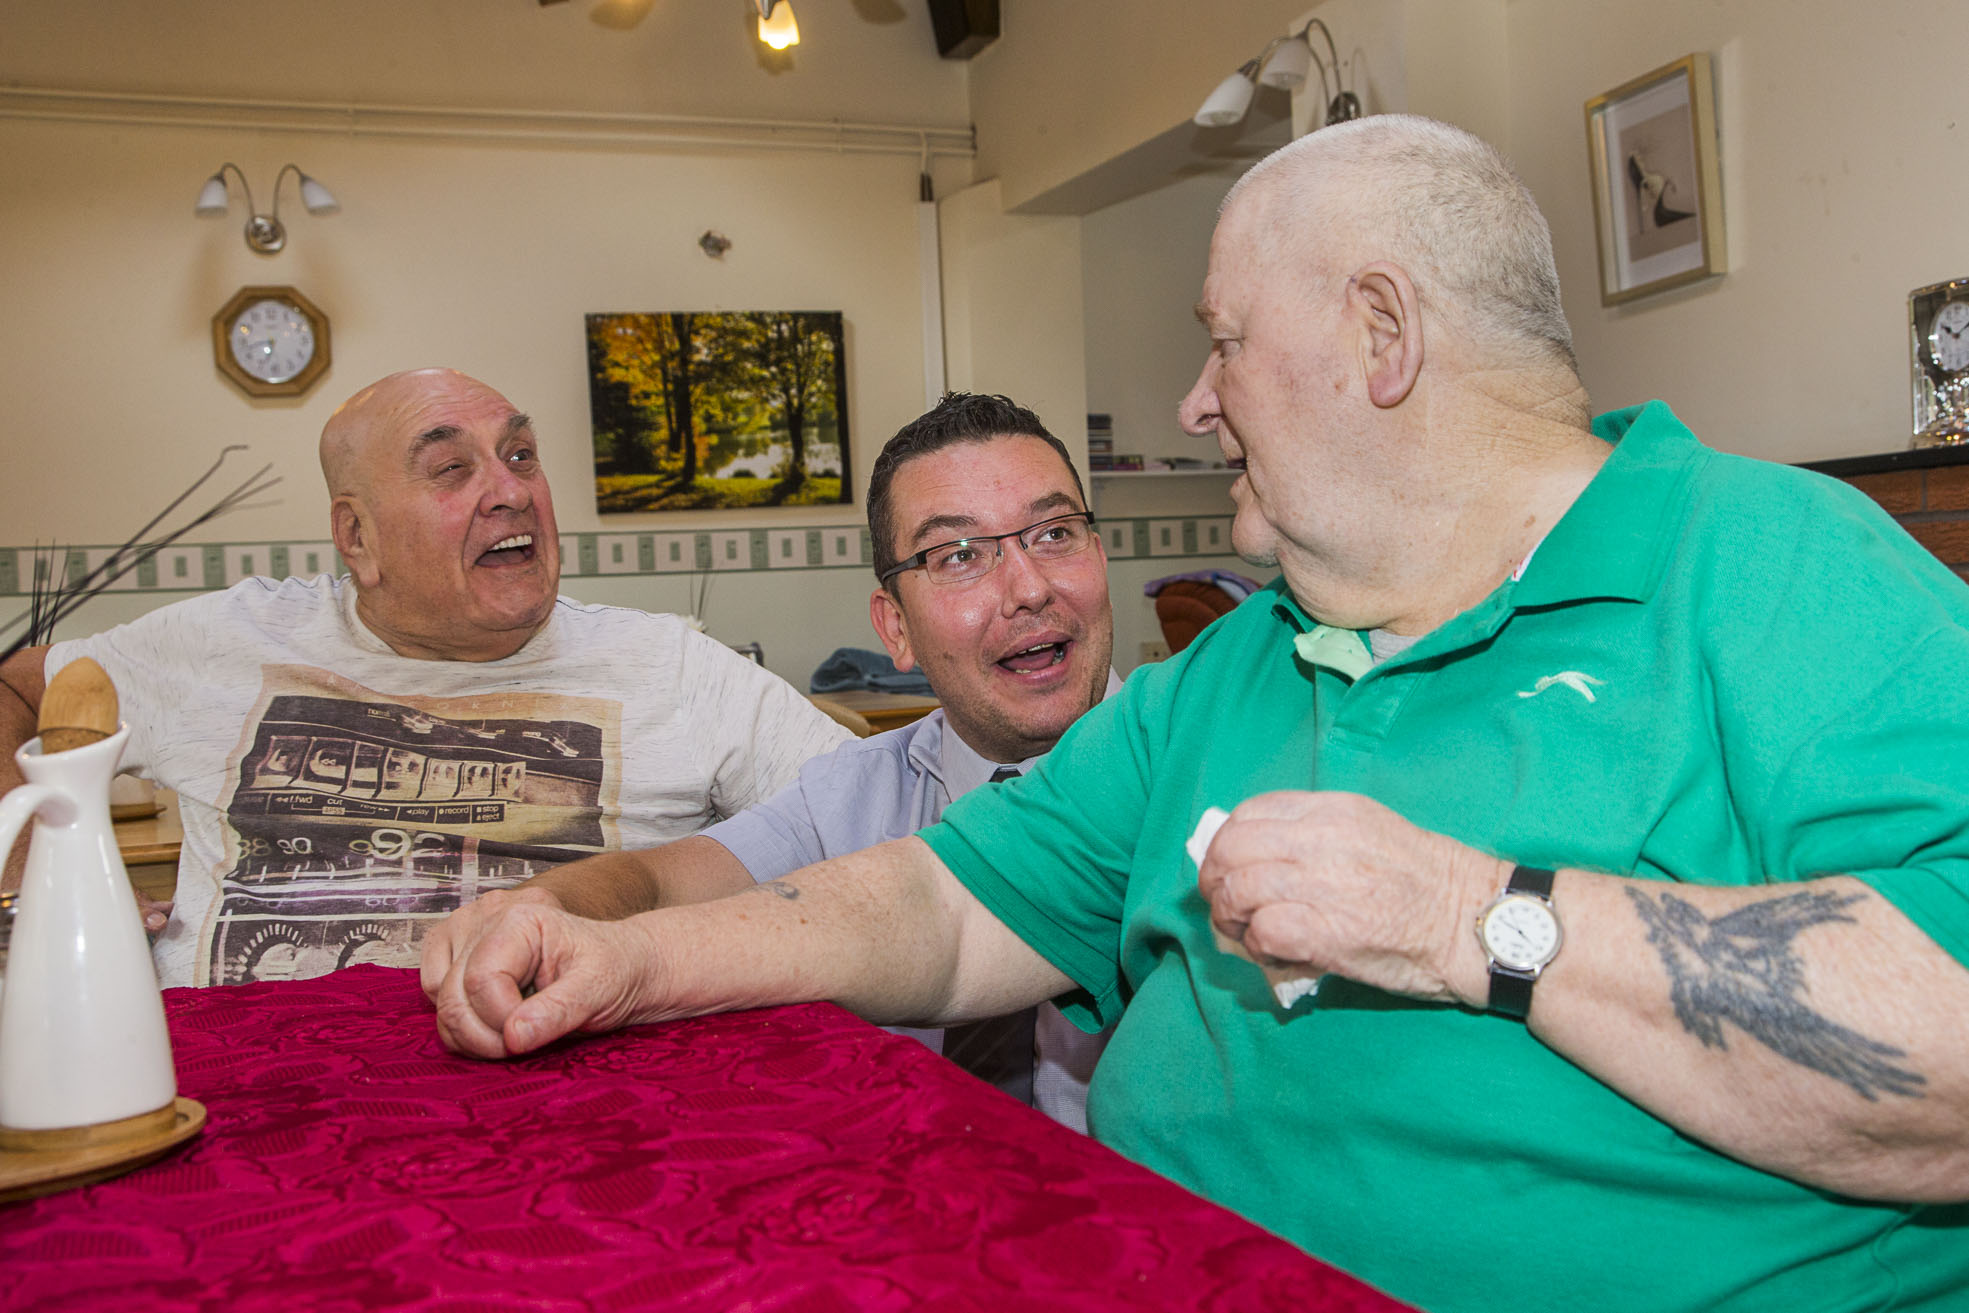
(358, 818)
(339, 799)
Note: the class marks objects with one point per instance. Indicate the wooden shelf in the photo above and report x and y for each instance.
(1912, 458)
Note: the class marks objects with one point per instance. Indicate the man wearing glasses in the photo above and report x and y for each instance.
(992, 580)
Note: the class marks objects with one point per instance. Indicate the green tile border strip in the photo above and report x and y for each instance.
(206, 567)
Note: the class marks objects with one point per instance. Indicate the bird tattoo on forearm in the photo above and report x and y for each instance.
(1741, 968)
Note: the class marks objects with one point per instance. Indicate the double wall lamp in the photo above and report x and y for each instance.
(264, 232)
(1283, 64)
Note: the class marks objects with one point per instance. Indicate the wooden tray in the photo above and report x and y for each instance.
(26, 1173)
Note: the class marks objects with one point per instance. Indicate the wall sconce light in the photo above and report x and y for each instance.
(1283, 63)
(776, 26)
(264, 232)
(1228, 104)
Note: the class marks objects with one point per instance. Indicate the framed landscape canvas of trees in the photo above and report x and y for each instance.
(698, 411)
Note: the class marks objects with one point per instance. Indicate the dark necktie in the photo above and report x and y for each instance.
(999, 1050)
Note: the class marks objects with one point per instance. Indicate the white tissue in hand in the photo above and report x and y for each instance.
(1289, 984)
(1290, 988)
(1207, 825)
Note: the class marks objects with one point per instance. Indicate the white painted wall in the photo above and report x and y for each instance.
(1012, 309)
(1069, 86)
(1844, 152)
(1142, 265)
(483, 257)
(1843, 155)
(479, 254)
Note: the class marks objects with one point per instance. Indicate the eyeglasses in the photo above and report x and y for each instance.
(973, 558)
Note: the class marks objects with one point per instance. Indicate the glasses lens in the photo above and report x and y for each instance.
(1061, 537)
(955, 562)
(970, 558)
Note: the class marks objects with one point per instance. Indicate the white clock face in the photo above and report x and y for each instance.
(1521, 933)
(1948, 340)
(273, 341)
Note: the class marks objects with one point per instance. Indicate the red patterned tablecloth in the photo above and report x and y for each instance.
(795, 1159)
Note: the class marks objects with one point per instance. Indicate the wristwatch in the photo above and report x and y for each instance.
(1520, 935)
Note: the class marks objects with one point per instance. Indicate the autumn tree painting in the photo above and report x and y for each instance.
(696, 411)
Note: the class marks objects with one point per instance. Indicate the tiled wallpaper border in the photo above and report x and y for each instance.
(203, 567)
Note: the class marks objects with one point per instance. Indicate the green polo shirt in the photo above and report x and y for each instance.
(1714, 670)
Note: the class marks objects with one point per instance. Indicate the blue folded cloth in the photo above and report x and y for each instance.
(855, 667)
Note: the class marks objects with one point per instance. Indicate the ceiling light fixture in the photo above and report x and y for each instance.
(264, 232)
(776, 26)
(1283, 64)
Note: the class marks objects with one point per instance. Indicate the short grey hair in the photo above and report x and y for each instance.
(1436, 200)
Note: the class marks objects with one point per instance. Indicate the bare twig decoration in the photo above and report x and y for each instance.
(54, 596)
(701, 594)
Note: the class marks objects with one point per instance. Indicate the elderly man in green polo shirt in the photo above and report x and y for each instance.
(1589, 924)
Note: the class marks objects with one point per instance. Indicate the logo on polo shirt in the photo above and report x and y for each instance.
(1576, 680)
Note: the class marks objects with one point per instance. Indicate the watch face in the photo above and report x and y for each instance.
(273, 341)
(1521, 932)
(1948, 340)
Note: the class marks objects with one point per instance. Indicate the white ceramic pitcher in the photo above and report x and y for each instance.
(82, 1034)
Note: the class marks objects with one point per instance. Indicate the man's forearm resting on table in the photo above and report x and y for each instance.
(886, 932)
(1809, 1028)
(610, 886)
(606, 887)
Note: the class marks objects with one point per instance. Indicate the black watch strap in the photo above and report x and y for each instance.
(1535, 880)
(1510, 990)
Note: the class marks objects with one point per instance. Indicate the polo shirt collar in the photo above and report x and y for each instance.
(1612, 543)
(1615, 540)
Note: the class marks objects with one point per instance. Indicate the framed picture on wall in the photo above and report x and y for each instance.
(705, 411)
(1657, 196)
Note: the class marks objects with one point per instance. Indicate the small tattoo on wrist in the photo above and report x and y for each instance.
(780, 888)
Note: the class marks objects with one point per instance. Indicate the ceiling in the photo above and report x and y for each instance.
(858, 60)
